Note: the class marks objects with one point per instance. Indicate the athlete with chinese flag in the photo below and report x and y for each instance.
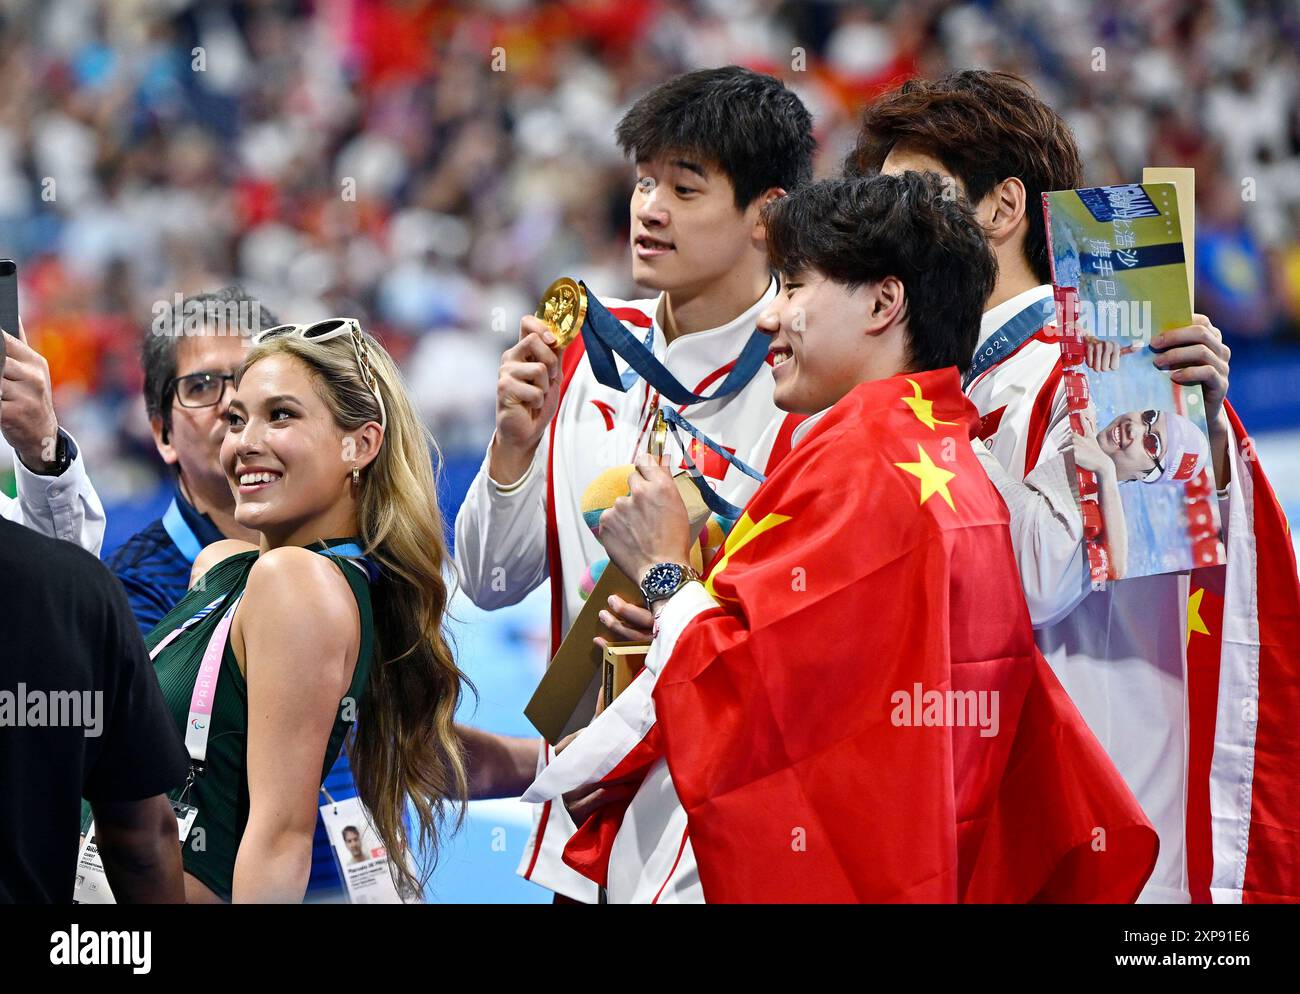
(850, 706)
(1191, 682)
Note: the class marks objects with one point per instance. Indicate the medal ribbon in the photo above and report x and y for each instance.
(716, 503)
(605, 337)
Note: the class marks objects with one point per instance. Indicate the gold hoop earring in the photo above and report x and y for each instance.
(356, 477)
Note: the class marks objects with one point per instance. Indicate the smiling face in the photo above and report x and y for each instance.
(687, 232)
(1134, 441)
(287, 461)
(819, 342)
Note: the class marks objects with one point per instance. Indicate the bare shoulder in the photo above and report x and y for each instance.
(297, 604)
(215, 553)
(299, 576)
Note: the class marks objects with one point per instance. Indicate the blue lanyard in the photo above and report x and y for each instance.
(186, 625)
(1009, 337)
(354, 553)
(605, 337)
(202, 613)
(716, 503)
(180, 532)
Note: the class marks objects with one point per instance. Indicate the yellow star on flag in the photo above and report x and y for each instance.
(922, 408)
(934, 479)
(742, 533)
(1195, 623)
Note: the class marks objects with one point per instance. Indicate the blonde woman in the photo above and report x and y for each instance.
(334, 619)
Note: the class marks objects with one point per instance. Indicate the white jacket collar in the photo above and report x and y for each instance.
(693, 357)
(998, 316)
(805, 426)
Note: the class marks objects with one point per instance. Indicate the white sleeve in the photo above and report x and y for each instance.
(1046, 534)
(500, 550)
(678, 612)
(615, 732)
(64, 506)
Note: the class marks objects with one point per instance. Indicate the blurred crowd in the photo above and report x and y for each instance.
(431, 166)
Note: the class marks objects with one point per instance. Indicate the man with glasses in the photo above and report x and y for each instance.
(55, 496)
(190, 356)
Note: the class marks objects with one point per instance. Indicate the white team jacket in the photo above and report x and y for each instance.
(502, 531)
(1120, 652)
(651, 860)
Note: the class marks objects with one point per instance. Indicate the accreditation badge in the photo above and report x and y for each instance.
(92, 883)
(360, 855)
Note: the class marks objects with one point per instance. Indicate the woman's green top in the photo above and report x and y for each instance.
(221, 792)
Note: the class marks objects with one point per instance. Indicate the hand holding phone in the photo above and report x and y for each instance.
(27, 418)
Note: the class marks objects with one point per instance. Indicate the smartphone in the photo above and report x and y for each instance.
(8, 303)
(9, 296)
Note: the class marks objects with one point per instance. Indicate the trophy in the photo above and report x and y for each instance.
(582, 678)
(620, 665)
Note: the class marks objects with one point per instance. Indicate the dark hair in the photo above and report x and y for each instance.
(231, 310)
(346, 828)
(745, 123)
(984, 127)
(856, 231)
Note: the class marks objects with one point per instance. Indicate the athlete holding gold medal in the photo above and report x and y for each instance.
(712, 148)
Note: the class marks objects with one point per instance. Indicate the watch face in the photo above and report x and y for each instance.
(662, 579)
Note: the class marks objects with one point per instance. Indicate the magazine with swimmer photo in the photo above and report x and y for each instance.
(1141, 443)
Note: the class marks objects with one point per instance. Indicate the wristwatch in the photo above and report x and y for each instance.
(64, 452)
(662, 580)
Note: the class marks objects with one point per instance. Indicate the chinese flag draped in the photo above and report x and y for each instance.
(1243, 689)
(871, 576)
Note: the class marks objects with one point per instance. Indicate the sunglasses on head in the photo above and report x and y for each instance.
(324, 331)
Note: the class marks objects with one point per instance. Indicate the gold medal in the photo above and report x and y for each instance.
(564, 308)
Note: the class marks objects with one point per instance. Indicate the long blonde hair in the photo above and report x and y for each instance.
(404, 744)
